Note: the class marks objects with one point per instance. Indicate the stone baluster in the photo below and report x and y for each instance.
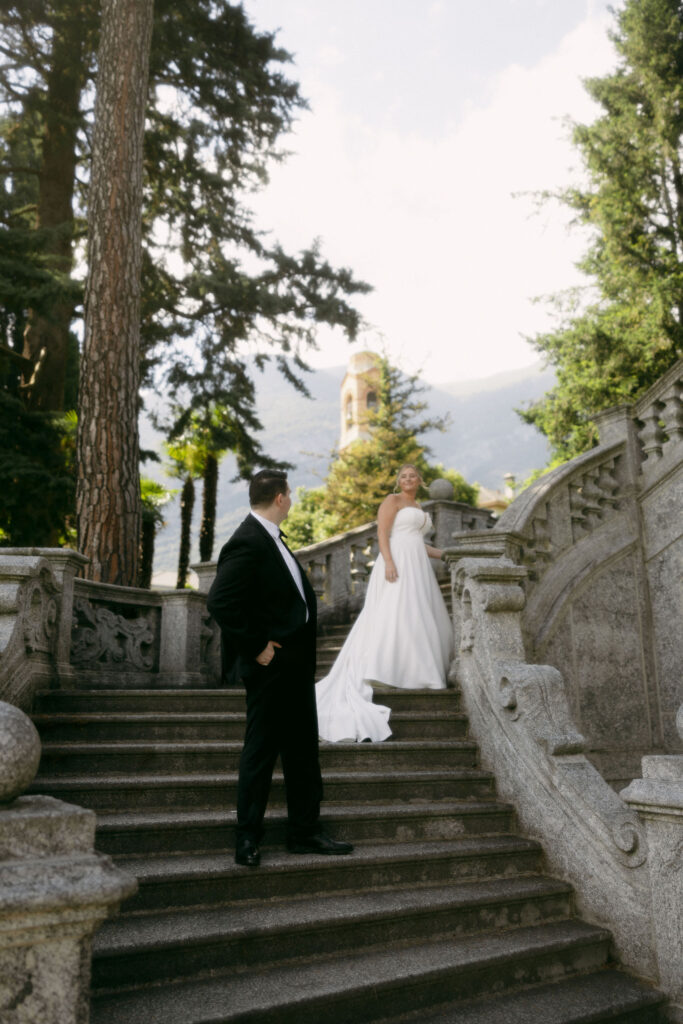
(608, 485)
(672, 413)
(591, 500)
(651, 434)
(55, 890)
(317, 574)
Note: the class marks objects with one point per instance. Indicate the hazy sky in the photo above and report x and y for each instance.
(425, 118)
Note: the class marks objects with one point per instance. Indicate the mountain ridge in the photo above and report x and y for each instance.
(485, 439)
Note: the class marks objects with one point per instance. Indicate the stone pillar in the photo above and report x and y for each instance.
(186, 633)
(54, 890)
(658, 798)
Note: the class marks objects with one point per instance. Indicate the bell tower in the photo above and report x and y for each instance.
(359, 395)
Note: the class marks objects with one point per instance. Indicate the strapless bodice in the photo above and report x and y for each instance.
(411, 520)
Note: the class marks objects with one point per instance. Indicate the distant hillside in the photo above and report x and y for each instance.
(486, 439)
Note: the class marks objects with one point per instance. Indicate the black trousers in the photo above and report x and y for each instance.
(282, 720)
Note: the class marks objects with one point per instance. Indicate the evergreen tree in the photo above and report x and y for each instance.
(218, 104)
(615, 343)
(153, 497)
(362, 475)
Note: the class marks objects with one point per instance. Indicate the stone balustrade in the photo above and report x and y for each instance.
(623, 853)
(339, 567)
(57, 630)
(601, 538)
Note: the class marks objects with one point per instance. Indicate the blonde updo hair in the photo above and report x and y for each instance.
(408, 465)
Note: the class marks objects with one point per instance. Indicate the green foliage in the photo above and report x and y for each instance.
(309, 520)
(362, 475)
(213, 283)
(154, 496)
(37, 479)
(614, 342)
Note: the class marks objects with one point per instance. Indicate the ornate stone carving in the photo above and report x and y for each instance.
(101, 636)
(537, 694)
(40, 613)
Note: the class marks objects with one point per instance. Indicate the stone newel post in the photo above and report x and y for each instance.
(658, 798)
(54, 890)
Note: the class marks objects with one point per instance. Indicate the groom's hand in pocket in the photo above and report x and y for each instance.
(268, 653)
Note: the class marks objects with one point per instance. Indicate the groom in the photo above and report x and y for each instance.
(266, 610)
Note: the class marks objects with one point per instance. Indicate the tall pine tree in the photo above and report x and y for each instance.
(614, 341)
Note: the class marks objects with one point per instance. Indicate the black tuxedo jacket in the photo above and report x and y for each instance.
(254, 599)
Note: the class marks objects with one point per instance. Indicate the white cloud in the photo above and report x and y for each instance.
(432, 224)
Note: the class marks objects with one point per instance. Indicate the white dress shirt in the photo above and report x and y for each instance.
(290, 561)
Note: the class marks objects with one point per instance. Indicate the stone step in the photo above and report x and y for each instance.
(219, 789)
(210, 879)
(89, 727)
(130, 757)
(606, 996)
(371, 985)
(133, 951)
(195, 831)
(223, 701)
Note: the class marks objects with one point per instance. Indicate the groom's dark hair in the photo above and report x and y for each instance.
(265, 487)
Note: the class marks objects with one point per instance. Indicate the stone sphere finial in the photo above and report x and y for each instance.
(19, 752)
(441, 490)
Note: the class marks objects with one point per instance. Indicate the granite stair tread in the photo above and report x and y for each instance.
(120, 747)
(128, 935)
(279, 860)
(586, 999)
(220, 778)
(328, 987)
(108, 820)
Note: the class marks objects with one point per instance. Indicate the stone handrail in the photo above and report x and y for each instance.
(339, 567)
(639, 444)
(520, 717)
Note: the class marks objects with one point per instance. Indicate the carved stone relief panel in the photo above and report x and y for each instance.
(116, 636)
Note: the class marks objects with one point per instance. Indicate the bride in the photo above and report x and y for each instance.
(402, 637)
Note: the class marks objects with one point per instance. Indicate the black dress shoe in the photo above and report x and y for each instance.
(319, 843)
(248, 854)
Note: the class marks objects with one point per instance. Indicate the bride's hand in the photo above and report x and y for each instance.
(391, 573)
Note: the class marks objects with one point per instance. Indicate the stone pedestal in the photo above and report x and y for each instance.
(54, 890)
(658, 798)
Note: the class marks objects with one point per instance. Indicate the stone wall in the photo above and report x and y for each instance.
(602, 540)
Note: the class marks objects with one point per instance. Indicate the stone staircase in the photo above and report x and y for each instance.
(443, 913)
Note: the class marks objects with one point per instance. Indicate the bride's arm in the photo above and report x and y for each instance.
(434, 552)
(385, 520)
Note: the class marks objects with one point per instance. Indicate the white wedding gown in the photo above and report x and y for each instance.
(401, 638)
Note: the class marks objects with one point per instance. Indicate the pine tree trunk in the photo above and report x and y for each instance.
(108, 489)
(186, 507)
(207, 529)
(46, 338)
